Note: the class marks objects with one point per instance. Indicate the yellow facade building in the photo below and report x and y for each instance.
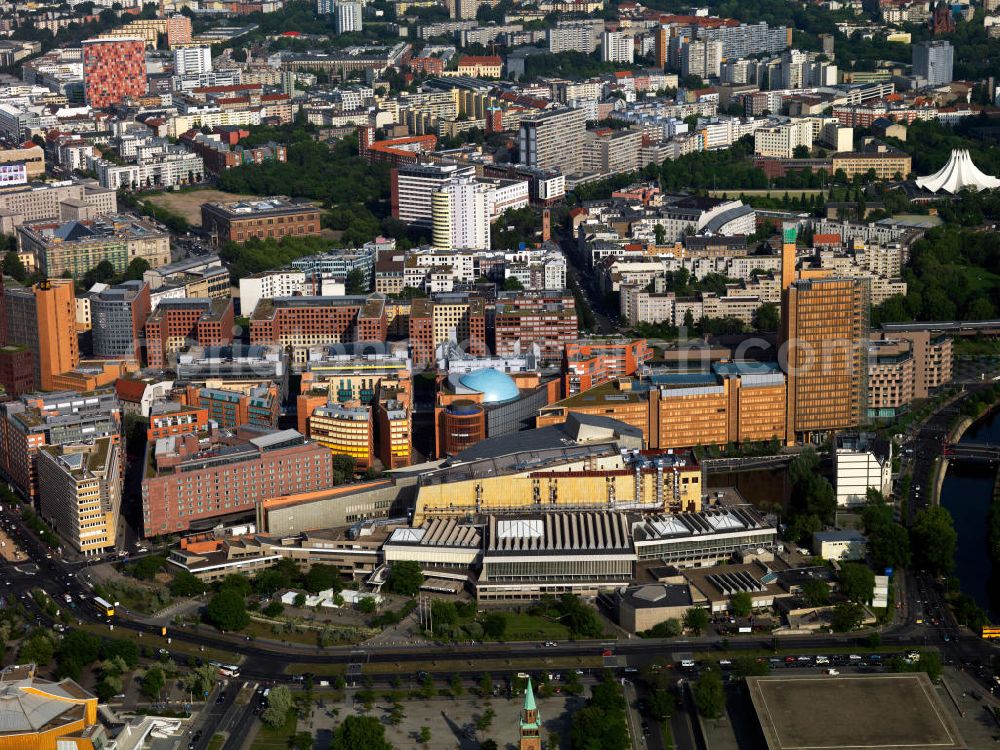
(80, 489)
(346, 429)
(595, 484)
(43, 715)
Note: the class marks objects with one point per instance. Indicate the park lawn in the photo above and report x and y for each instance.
(525, 627)
(275, 738)
(263, 630)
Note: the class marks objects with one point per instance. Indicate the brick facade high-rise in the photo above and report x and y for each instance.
(824, 334)
(113, 70)
(43, 319)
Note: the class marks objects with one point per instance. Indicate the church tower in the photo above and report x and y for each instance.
(531, 722)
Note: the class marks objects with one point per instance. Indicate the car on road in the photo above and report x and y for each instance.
(550, 644)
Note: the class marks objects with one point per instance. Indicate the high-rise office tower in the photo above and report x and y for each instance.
(554, 140)
(119, 315)
(824, 325)
(662, 44)
(113, 70)
(43, 319)
(192, 61)
(932, 62)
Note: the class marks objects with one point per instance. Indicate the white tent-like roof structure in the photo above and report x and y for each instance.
(957, 174)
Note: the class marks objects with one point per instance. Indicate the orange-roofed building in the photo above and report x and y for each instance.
(827, 240)
(480, 66)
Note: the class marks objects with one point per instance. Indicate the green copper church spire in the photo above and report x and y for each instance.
(529, 698)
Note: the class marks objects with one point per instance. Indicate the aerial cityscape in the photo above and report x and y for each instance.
(499, 374)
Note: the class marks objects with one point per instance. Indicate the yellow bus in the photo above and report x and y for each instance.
(990, 631)
(104, 607)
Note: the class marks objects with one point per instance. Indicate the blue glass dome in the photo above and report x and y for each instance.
(495, 386)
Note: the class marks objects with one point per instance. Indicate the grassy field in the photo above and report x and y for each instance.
(264, 630)
(270, 738)
(525, 627)
(188, 203)
(216, 742)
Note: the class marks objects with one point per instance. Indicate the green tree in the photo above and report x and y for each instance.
(136, 268)
(299, 600)
(748, 666)
(201, 680)
(495, 626)
(279, 703)
(343, 469)
(360, 733)
(424, 736)
(846, 616)
(321, 578)
(767, 317)
(696, 620)
(512, 284)
(889, 547)
(367, 605)
(273, 609)
(661, 704)
(485, 720)
(601, 724)
(405, 578)
(146, 568)
(709, 695)
(37, 647)
(356, 283)
(153, 683)
(741, 604)
(485, 685)
(186, 584)
(800, 152)
(227, 611)
(660, 233)
(120, 648)
(932, 540)
(13, 267)
(857, 582)
(816, 593)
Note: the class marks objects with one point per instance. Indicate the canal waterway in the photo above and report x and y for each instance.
(966, 493)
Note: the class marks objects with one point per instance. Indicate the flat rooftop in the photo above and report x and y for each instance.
(852, 712)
